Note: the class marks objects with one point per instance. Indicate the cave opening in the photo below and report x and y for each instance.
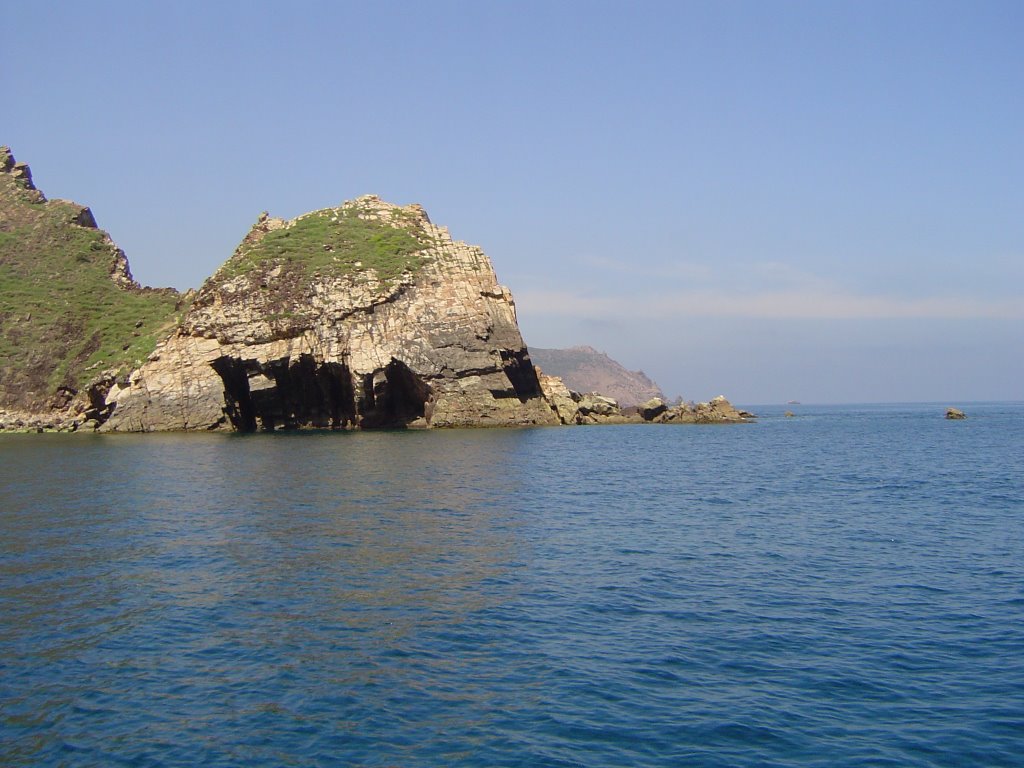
(237, 400)
(396, 397)
(286, 393)
(297, 393)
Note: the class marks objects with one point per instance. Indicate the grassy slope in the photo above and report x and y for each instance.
(63, 320)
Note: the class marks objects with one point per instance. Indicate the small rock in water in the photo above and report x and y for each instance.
(955, 413)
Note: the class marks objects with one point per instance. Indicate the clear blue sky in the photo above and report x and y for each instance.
(820, 201)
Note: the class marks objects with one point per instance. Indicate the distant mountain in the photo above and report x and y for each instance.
(584, 369)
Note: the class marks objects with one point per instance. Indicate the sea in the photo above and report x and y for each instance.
(844, 587)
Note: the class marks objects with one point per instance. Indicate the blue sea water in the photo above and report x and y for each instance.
(845, 587)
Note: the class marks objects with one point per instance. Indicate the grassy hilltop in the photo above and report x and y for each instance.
(336, 241)
(69, 309)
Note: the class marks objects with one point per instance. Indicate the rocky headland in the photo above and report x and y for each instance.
(364, 315)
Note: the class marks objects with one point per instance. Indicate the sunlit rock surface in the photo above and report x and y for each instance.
(365, 315)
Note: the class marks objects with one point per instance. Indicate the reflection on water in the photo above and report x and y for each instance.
(195, 571)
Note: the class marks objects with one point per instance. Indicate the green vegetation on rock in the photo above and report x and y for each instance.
(63, 317)
(336, 242)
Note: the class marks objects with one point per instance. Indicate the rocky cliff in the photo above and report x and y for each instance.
(70, 312)
(584, 369)
(360, 316)
(364, 315)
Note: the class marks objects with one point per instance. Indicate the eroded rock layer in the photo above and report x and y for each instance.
(365, 315)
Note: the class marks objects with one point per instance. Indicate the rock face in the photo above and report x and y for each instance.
(365, 315)
(584, 369)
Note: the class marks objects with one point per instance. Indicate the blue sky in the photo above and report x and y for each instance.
(790, 200)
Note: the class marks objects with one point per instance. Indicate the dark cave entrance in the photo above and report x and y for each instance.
(521, 375)
(395, 397)
(286, 393)
(301, 393)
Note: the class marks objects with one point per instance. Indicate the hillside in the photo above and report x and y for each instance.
(584, 369)
(69, 308)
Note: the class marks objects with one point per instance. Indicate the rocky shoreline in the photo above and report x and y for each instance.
(585, 409)
(366, 315)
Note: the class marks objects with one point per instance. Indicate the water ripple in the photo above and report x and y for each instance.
(842, 589)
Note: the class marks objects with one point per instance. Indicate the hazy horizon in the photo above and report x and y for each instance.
(776, 202)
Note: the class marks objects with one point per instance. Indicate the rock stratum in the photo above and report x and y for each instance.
(365, 315)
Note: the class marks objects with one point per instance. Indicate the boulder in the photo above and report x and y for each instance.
(559, 398)
(955, 413)
(652, 409)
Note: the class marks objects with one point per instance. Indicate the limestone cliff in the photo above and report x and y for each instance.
(364, 315)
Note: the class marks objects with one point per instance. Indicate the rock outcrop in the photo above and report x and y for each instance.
(365, 315)
(592, 408)
(955, 414)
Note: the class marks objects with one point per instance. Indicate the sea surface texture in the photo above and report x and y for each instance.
(841, 588)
